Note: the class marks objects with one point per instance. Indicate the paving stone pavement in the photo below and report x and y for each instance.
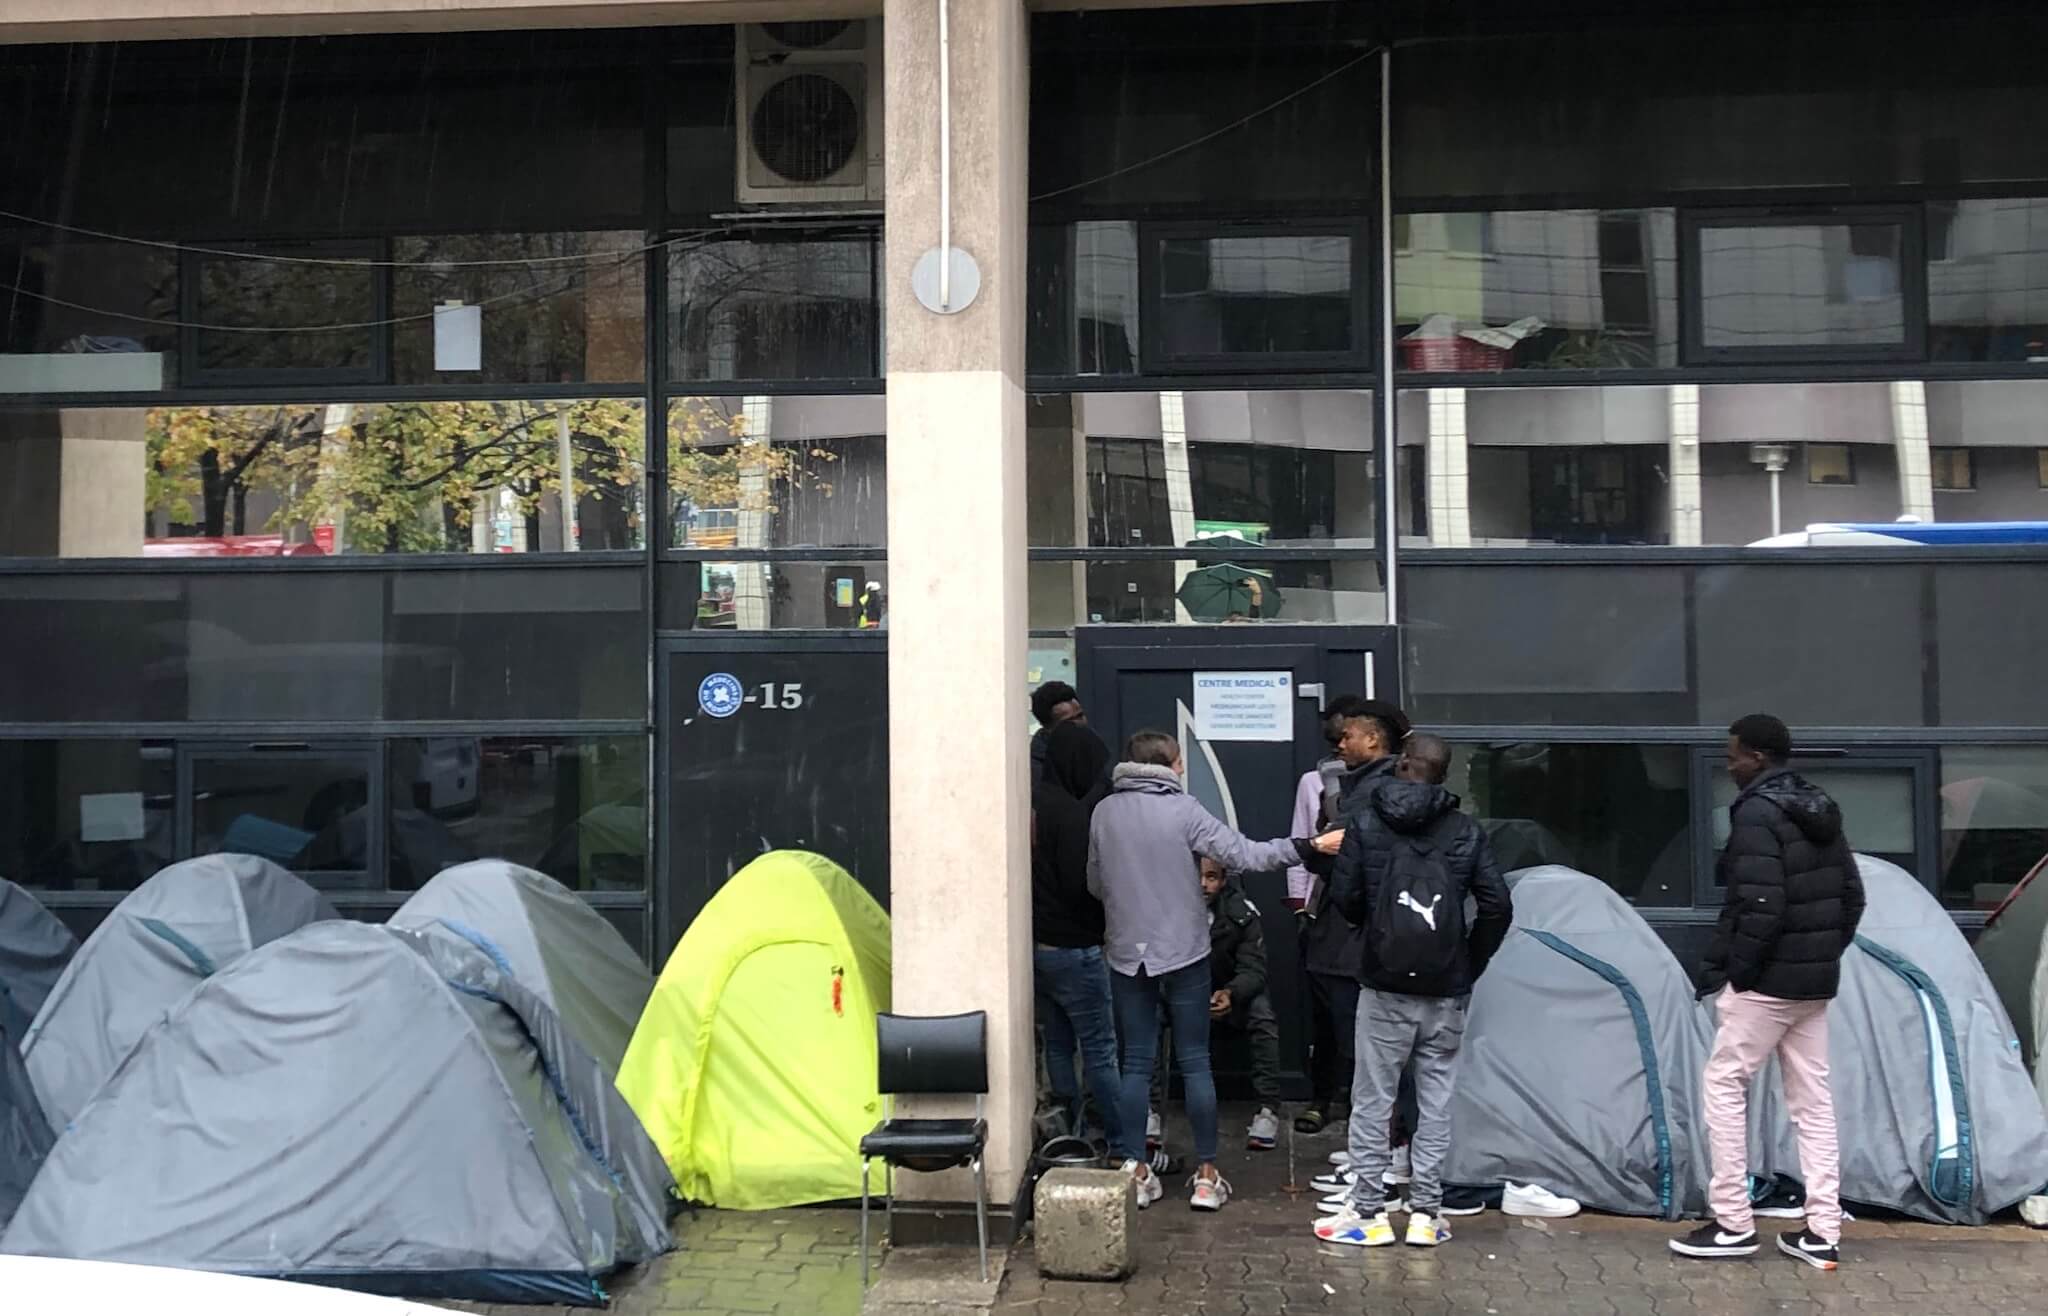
(1257, 1257)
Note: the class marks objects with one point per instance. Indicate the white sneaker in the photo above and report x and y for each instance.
(1155, 1129)
(1395, 1204)
(1427, 1231)
(1208, 1194)
(1350, 1229)
(1264, 1134)
(1341, 1159)
(1402, 1168)
(1535, 1200)
(1149, 1188)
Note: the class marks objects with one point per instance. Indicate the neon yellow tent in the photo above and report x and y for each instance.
(753, 1067)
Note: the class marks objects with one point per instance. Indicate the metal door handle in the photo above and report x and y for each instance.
(1311, 690)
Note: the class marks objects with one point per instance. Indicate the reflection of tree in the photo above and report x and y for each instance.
(412, 476)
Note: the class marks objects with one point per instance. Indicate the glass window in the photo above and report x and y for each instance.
(1760, 626)
(744, 596)
(309, 810)
(1830, 463)
(2041, 467)
(1207, 588)
(1954, 471)
(86, 815)
(1994, 820)
(1878, 803)
(1274, 295)
(1621, 813)
(1984, 302)
(313, 310)
(777, 472)
(776, 306)
(1767, 287)
(1557, 289)
(548, 308)
(85, 316)
(575, 809)
(1084, 299)
(1991, 626)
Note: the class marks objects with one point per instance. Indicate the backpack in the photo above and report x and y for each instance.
(1418, 922)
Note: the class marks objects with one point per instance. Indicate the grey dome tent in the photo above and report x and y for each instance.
(165, 936)
(1939, 1119)
(34, 948)
(361, 1107)
(545, 936)
(1582, 1056)
(2010, 949)
(24, 1134)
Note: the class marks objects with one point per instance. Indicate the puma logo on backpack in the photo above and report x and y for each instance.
(1418, 923)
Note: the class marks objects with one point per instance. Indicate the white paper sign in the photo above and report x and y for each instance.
(1244, 705)
(110, 817)
(458, 337)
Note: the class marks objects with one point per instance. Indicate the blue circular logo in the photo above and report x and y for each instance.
(720, 695)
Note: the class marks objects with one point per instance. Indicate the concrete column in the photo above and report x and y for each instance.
(1683, 460)
(1450, 492)
(72, 482)
(959, 854)
(1180, 484)
(750, 579)
(1909, 435)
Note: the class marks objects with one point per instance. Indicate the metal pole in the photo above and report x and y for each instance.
(945, 161)
(1390, 460)
(1775, 474)
(565, 455)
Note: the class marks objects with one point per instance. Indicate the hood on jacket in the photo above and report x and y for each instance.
(1076, 760)
(1149, 777)
(1412, 806)
(1807, 805)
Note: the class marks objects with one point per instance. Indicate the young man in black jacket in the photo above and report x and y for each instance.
(1792, 900)
(1403, 875)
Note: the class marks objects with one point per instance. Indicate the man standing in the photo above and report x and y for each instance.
(1369, 735)
(1792, 901)
(1404, 872)
(1053, 703)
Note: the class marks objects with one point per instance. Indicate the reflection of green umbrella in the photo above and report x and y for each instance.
(1227, 590)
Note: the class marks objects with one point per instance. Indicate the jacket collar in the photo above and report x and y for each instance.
(1144, 777)
(1763, 779)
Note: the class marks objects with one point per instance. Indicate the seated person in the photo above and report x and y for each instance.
(1238, 999)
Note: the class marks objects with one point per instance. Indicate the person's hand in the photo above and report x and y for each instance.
(1329, 842)
(1219, 1004)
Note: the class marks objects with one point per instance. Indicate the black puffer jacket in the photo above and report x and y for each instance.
(1331, 944)
(1793, 895)
(1237, 949)
(1411, 808)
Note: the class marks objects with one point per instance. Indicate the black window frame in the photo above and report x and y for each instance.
(192, 375)
(1152, 237)
(1922, 760)
(1911, 221)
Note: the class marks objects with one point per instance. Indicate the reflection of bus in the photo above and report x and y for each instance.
(712, 527)
(1931, 534)
(321, 545)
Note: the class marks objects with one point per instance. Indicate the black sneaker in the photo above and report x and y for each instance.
(1310, 1120)
(1809, 1247)
(1710, 1241)
(1165, 1162)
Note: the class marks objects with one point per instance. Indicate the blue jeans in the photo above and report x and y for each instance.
(1072, 988)
(1184, 996)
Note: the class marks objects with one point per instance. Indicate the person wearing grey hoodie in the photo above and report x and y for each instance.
(1142, 848)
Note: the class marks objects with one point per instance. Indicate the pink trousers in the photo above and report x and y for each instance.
(1753, 1029)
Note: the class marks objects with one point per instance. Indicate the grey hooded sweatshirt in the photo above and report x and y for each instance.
(1141, 866)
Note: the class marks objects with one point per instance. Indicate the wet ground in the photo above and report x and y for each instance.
(1258, 1257)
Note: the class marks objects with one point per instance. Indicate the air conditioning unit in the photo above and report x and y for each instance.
(810, 113)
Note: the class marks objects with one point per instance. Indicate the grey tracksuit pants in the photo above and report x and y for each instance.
(1391, 1029)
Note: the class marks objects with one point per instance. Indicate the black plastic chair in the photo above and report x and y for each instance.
(920, 1056)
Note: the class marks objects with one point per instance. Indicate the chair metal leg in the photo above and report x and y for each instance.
(889, 1188)
(864, 1170)
(981, 1213)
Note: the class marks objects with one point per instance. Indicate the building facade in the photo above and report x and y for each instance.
(417, 423)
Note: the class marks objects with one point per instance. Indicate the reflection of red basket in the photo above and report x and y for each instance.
(1447, 355)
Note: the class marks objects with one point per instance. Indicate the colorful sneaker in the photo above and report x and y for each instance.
(1425, 1230)
(1264, 1134)
(1351, 1229)
(1711, 1242)
(1208, 1194)
(1149, 1188)
(1811, 1248)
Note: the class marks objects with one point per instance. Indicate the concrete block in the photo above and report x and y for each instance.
(1086, 1224)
